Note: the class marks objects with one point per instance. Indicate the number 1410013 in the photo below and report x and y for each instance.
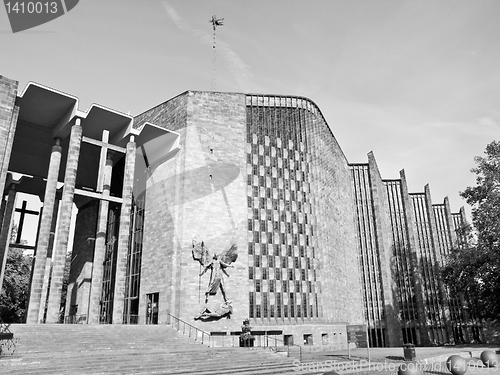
(31, 7)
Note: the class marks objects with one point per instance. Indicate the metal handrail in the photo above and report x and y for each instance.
(191, 327)
(209, 335)
(275, 347)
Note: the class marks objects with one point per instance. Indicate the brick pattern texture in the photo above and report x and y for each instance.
(8, 121)
(201, 192)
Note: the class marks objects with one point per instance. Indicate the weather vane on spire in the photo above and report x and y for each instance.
(215, 22)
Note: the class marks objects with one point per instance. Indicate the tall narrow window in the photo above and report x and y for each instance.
(134, 255)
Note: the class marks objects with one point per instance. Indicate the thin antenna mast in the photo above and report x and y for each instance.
(215, 22)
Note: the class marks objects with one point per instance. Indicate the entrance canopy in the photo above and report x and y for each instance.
(46, 114)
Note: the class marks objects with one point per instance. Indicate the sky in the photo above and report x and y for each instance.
(416, 82)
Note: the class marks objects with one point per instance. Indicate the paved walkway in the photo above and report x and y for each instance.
(386, 361)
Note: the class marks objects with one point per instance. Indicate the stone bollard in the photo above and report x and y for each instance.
(456, 365)
(489, 358)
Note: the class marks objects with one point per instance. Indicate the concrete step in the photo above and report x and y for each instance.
(113, 349)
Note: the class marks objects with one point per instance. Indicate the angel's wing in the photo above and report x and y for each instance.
(230, 255)
(200, 252)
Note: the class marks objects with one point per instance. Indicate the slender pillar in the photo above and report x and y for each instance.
(100, 245)
(44, 237)
(6, 231)
(124, 233)
(61, 249)
(2, 210)
(414, 261)
(48, 263)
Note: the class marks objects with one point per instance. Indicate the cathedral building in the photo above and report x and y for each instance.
(211, 208)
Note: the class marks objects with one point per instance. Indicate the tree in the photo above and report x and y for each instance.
(13, 235)
(14, 295)
(475, 269)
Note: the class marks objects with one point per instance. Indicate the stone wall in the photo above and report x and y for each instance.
(384, 241)
(8, 120)
(336, 237)
(200, 192)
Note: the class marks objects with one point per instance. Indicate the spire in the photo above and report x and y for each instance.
(215, 22)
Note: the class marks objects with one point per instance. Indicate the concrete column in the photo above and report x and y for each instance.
(48, 263)
(383, 239)
(414, 261)
(42, 245)
(2, 210)
(100, 245)
(6, 230)
(124, 233)
(61, 249)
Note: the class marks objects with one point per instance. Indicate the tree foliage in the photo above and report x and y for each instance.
(13, 235)
(474, 270)
(14, 295)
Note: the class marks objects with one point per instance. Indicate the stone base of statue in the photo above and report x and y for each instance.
(247, 342)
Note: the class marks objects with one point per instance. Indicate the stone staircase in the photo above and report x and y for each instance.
(135, 349)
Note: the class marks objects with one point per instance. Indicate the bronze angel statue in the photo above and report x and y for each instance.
(217, 264)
